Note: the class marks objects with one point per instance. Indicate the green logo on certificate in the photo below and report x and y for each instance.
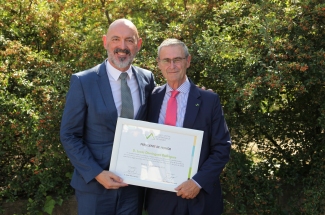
(150, 135)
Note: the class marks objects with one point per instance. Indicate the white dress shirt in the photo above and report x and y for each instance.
(113, 76)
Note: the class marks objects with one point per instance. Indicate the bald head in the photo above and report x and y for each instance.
(123, 23)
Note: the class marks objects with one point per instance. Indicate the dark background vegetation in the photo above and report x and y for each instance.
(265, 58)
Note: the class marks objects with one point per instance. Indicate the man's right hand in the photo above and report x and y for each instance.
(109, 180)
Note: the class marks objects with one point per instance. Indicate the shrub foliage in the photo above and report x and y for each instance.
(265, 59)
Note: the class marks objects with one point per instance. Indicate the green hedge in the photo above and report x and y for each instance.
(264, 58)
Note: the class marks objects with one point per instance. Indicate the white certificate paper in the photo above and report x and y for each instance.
(154, 155)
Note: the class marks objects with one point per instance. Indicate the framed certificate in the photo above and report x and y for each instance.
(155, 155)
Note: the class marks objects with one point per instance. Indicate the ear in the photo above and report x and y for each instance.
(188, 61)
(139, 43)
(104, 41)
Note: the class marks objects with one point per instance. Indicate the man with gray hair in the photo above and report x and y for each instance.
(180, 103)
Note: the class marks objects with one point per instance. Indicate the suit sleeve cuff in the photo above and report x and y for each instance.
(196, 183)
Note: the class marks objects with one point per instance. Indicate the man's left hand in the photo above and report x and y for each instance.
(188, 190)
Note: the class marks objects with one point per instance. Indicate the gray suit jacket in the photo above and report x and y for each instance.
(89, 121)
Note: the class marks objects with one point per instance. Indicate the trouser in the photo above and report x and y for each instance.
(123, 201)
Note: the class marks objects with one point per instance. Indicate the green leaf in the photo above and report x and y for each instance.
(49, 205)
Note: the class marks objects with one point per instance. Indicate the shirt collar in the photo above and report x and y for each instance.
(184, 88)
(115, 73)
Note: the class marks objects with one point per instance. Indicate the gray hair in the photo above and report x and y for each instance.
(174, 42)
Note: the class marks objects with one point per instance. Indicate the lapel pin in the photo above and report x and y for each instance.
(197, 105)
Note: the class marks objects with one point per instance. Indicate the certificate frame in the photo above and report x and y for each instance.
(155, 155)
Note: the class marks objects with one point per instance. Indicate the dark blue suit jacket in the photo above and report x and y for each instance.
(203, 112)
(89, 121)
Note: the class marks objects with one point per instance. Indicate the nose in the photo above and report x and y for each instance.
(123, 44)
(172, 64)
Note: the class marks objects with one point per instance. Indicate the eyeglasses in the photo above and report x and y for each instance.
(167, 61)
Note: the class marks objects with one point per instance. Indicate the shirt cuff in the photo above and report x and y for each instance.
(196, 183)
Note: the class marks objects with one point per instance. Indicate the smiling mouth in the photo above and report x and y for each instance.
(122, 52)
(172, 72)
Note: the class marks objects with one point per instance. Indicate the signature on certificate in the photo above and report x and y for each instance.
(169, 178)
(132, 171)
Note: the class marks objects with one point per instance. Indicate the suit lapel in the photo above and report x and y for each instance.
(106, 91)
(142, 92)
(140, 85)
(157, 98)
(193, 106)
